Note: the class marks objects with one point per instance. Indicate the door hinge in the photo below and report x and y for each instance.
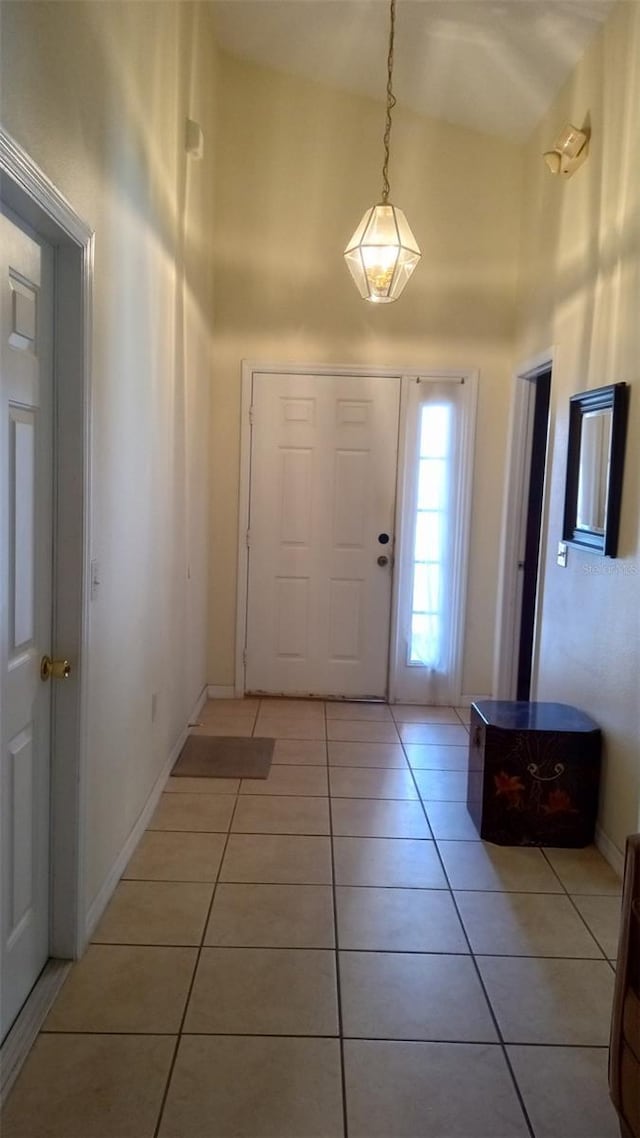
(252, 415)
(248, 539)
(244, 657)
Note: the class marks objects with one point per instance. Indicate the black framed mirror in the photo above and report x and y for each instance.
(595, 460)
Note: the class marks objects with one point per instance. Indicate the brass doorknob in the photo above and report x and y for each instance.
(382, 560)
(58, 669)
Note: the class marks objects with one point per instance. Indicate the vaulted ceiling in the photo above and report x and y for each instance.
(493, 65)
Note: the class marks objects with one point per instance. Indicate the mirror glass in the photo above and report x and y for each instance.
(593, 474)
(595, 458)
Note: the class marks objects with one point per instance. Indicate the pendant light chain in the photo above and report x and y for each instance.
(391, 102)
(383, 252)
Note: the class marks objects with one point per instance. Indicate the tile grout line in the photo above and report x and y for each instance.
(492, 1013)
(366, 1038)
(317, 884)
(564, 890)
(501, 1040)
(343, 1077)
(172, 1065)
(255, 724)
(571, 899)
(324, 948)
(501, 1043)
(424, 806)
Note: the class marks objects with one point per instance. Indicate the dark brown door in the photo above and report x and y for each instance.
(529, 567)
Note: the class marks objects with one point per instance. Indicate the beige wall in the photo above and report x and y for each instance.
(581, 293)
(98, 94)
(298, 165)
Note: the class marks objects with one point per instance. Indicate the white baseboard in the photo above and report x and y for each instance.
(221, 691)
(100, 902)
(467, 700)
(609, 851)
(202, 699)
(23, 1034)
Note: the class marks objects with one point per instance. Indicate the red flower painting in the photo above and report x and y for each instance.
(559, 802)
(510, 787)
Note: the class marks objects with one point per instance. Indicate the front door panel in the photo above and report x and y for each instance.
(323, 479)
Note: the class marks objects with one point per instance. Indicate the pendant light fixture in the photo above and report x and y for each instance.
(383, 252)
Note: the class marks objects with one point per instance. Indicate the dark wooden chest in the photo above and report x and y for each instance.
(534, 772)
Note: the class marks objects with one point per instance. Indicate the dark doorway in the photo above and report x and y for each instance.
(529, 566)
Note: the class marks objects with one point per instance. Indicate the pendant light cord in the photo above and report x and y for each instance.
(391, 102)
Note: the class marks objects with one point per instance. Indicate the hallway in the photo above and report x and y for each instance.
(333, 952)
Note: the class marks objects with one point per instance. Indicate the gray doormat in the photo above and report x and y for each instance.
(221, 756)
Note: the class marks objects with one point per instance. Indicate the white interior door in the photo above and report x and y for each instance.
(322, 500)
(26, 307)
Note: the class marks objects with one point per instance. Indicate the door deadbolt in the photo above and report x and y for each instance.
(54, 669)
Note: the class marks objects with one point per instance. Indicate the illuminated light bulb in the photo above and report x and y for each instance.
(382, 254)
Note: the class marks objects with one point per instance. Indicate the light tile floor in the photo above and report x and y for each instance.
(333, 952)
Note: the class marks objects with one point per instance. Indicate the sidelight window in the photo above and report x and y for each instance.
(431, 536)
(435, 514)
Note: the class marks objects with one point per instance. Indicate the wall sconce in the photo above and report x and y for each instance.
(569, 151)
(194, 139)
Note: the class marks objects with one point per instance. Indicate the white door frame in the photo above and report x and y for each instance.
(249, 367)
(27, 191)
(515, 502)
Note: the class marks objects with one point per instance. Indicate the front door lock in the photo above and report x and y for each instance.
(383, 559)
(54, 669)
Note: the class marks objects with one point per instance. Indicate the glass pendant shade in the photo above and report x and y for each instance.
(382, 254)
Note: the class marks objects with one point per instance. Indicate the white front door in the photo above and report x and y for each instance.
(26, 306)
(322, 499)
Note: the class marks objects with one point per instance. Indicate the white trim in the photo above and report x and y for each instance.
(23, 1034)
(200, 702)
(72, 615)
(243, 527)
(16, 164)
(221, 691)
(401, 494)
(251, 366)
(100, 902)
(515, 488)
(463, 505)
(467, 700)
(505, 658)
(609, 851)
(461, 555)
(34, 198)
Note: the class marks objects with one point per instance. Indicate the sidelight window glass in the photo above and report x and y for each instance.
(431, 535)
